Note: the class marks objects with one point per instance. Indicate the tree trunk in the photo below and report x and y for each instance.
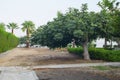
(118, 43)
(12, 31)
(105, 45)
(86, 53)
(111, 43)
(27, 41)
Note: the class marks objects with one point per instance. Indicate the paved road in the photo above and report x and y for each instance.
(17, 73)
(62, 66)
(26, 73)
(77, 65)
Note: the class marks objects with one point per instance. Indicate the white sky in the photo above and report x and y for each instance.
(38, 11)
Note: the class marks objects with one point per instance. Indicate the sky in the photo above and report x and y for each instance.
(38, 11)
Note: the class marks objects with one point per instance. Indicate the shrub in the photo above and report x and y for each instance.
(7, 41)
(69, 45)
(99, 53)
(77, 51)
(102, 54)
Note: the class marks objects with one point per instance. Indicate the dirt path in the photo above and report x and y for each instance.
(33, 56)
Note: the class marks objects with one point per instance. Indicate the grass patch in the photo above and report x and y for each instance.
(115, 67)
(102, 67)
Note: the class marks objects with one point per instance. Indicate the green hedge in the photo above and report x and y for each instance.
(98, 53)
(78, 51)
(7, 41)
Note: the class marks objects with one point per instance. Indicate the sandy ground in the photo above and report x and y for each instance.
(86, 73)
(34, 56)
(38, 56)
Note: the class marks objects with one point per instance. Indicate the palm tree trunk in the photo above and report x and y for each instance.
(12, 31)
(85, 48)
(27, 41)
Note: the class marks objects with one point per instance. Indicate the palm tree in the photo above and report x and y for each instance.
(12, 26)
(29, 27)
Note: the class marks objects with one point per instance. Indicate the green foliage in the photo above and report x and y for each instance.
(78, 51)
(78, 33)
(92, 45)
(110, 14)
(29, 28)
(81, 25)
(99, 53)
(102, 67)
(69, 45)
(12, 26)
(108, 55)
(107, 4)
(58, 37)
(23, 40)
(2, 26)
(105, 29)
(65, 27)
(53, 34)
(116, 23)
(7, 41)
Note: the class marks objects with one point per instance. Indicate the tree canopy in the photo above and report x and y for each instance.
(110, 19)
(12, 26)
(29, 27)
(75, 24)
(80, 25)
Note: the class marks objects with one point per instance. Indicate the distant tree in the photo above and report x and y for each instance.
(105, 28)
(29, 27)
(117, 40)
(109, 5)
(2, 26)
(22, 40)
(110, 18)
(116, 25)
(12, 26)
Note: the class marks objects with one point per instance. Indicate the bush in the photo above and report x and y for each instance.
(7, 41)
(102, 54)
(69, 45)
(99, 53)
(77, 51)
